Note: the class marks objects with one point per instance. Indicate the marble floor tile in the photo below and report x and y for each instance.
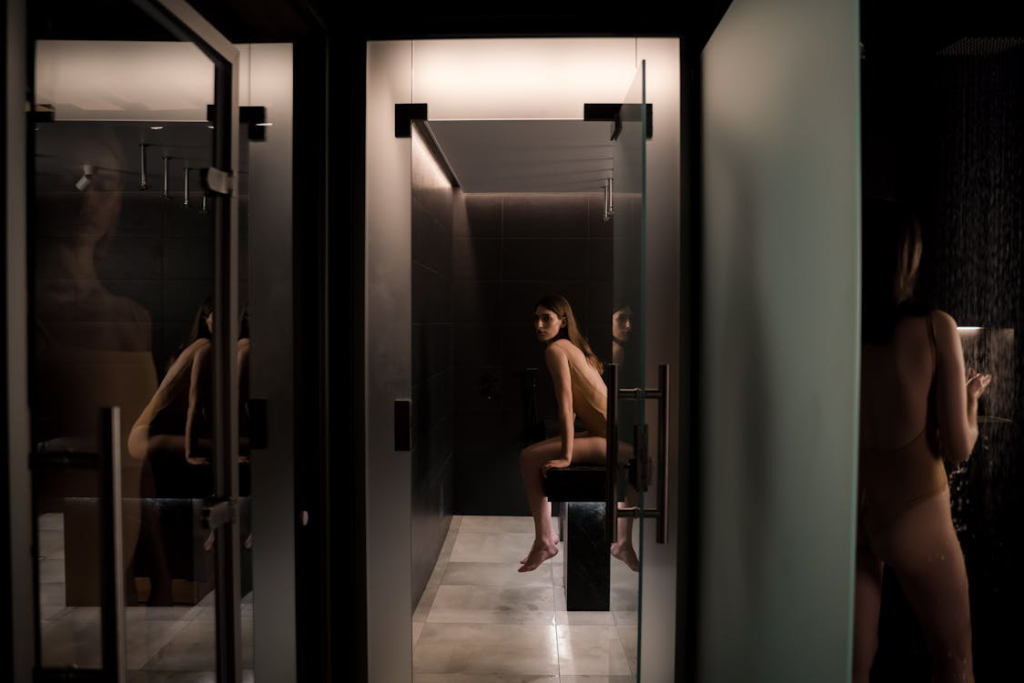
(426, 602)
(183, 676)
(493, 524)
(75, 639)
(51, 521)
(498, 575)
(625, 617)
(493, 605)
(486, 649)
(51, 543)
(483, 678)
(472, 546)
(627, 634)
(193, 648)
(591, 650)
(50, 613)
(51, 570)
(598, 679)
(624, 599)
(52, 594)
(584, 618)
(439, 571)
(417, 626)
(145, 612)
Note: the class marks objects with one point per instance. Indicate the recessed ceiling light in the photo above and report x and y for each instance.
(156, 127)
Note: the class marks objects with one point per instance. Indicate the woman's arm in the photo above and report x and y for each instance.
(558, 365)
(198, 396)
(957, 402)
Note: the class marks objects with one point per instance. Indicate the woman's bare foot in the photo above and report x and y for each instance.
(626, 554)
(540, 552)
(552, 540)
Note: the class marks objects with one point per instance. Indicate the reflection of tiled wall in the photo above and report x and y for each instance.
(159, 253)
(508, 251)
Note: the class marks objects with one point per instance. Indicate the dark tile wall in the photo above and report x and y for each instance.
(433, 422)
(509, 250)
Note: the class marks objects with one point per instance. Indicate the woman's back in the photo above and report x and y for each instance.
(589, 392)
(895, 382)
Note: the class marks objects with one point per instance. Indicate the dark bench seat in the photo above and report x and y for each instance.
(586, 566)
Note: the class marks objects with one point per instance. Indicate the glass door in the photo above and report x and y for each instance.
(133, 329)
(627, 444)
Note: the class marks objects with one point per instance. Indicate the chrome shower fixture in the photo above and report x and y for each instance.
(166, 194)
(202, 207)
(609, 207)
(186, 170)
(86, 180)
(143, 183)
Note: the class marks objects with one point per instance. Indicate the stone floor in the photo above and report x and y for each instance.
(164, 644)
(478, 621)
(481, 621)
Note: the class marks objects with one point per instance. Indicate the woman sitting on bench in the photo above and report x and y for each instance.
(576, 371)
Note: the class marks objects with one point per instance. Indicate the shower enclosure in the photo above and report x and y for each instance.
(149, 434)
(511, 200)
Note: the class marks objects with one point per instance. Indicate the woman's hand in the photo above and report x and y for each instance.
(560, 463)
(977, 384)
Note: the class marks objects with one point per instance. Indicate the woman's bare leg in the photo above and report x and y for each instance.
(586, 449)
(924, 552)
(867, 605)
(623, 549)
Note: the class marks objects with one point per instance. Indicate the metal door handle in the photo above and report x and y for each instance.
(661, 394)
(112, 620)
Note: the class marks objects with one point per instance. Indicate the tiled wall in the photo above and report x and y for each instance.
(508, 251)
(432, 364)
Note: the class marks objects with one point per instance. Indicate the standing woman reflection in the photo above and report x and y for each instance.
(915, 409)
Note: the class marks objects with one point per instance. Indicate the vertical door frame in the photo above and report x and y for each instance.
(17, 643)
(182, 20)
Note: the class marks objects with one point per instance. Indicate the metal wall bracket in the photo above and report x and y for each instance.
(218, 181)
(249, 115)
(404, 115)
(617, 113)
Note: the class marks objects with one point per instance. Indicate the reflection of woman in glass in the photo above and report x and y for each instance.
(579, 388)
(622, 326)
(915, 410)
(175, 428)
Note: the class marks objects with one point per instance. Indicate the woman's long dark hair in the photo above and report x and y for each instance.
(892, 237)
(571, 330)
(199, 329)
